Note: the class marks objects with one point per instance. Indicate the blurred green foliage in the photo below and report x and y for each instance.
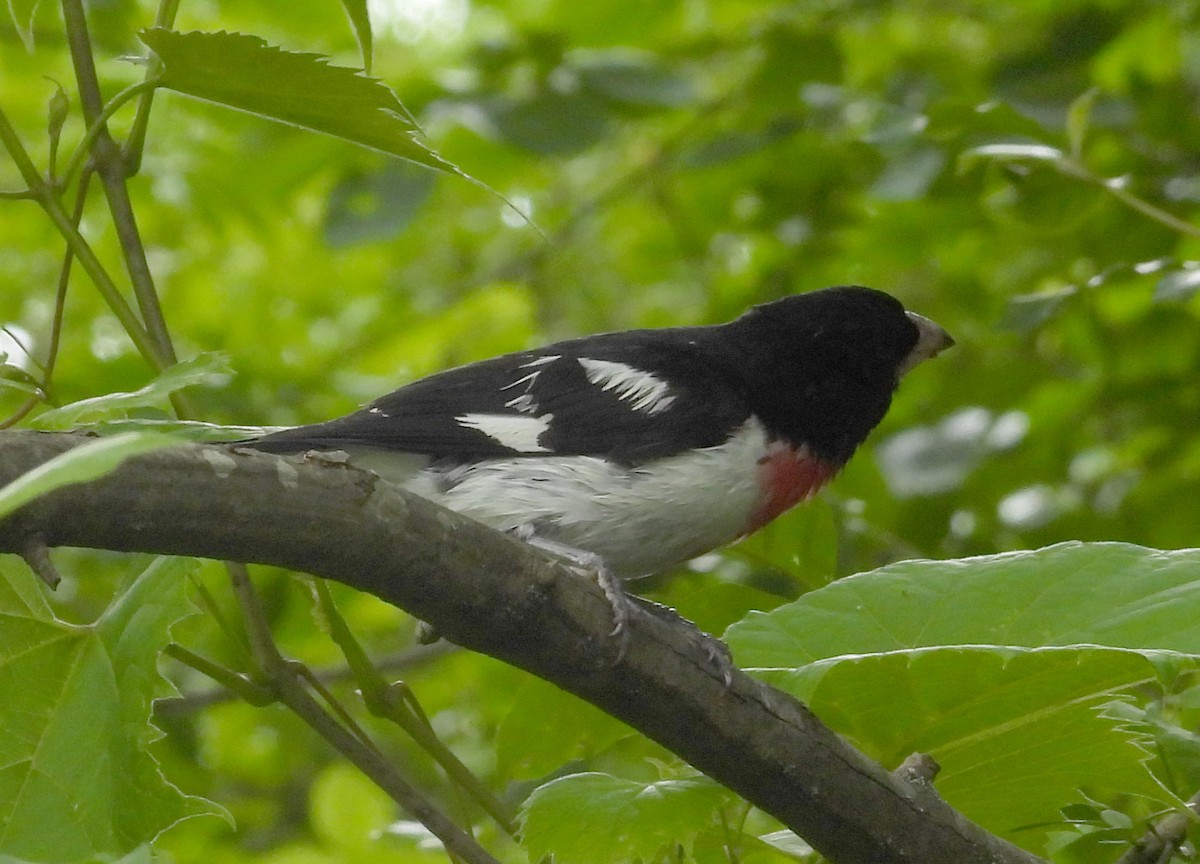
(1026, 173)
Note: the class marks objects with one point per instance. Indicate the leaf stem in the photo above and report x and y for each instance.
(60, 305)
(396, 702)
(45, 196)
(136, 142)
(280, 676)
(111, 168)
(81, 151)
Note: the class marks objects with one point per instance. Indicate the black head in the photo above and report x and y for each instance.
(821, 367)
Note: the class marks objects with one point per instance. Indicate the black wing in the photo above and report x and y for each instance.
(630, 396)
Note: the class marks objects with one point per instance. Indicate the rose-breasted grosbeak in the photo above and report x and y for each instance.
(635, 451)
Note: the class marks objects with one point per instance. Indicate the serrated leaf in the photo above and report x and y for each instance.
(360, 20)
(202, 369)
(601, 819)
(81, 464)
(1178, 285)
(77, 782)
(245, 73)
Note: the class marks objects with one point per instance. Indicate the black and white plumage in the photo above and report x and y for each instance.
(641, 449)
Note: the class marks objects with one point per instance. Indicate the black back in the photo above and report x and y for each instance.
(818, 369)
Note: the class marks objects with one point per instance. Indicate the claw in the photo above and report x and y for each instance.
(593, 564)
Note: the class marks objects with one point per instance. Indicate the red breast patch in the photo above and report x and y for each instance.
(787, 475)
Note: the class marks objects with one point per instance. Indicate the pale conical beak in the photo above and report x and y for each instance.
(932, 341)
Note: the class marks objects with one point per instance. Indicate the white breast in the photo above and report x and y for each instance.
(640, 520)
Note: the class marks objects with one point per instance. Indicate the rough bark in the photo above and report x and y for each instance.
(494, 594)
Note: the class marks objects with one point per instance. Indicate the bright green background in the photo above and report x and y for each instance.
(682, 160)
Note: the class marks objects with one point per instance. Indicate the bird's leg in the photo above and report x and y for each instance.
(621, 601)
(618, 600)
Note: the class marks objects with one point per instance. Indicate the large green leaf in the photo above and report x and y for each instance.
(76, 781)
(586, 818)
(305, 90)
(1110, 594)
(1017, 733)
(999, 666)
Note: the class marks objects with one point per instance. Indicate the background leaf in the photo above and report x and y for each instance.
(574, 817)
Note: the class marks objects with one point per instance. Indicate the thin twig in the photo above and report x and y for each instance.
(107, 158)
(396, 702)
(83, 149)
(60, 305)
(88, 259)
(279, 676)
(135, 143)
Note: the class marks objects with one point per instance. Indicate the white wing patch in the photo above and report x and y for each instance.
(643, 391)
(524, 401)
(516, 433)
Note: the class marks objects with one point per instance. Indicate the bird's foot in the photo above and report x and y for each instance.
(619, 601)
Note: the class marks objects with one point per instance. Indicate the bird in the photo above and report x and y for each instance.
(632, 452)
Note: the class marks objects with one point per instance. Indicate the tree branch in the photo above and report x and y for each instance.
(494, 594)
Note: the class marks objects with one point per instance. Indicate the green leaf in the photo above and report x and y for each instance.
(789, 844)
(634, 80)
(77, 781)
(977, 660)
(586, 818)
(57, 110)
(203, 369)
(801, 543)
(909, 176)
(715, 605)
(360, 20)
(82, 464)
(15, 378)
(550, 123)
(185, 430)
(1108, 594)
(547, 728)
(305, 90)
(1017, 733)
(377, 206)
